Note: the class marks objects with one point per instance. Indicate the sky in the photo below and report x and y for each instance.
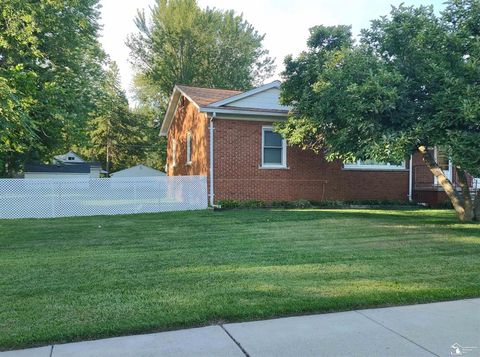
(285, 23)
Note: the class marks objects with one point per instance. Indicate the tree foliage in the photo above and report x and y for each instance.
(120, 137)
(411, 83)
(183, 43)
(50, 65)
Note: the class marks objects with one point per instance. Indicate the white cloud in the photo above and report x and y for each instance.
(285, 23)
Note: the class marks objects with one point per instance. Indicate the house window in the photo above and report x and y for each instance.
(189, 148)
(71, 158)
(274, 149)
(174, 153)
(443, 160)
(373, 165)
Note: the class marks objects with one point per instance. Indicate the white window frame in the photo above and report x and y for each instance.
(283, 165)
(189, 148)
(373, 167)
(174, 153)
(448, 173)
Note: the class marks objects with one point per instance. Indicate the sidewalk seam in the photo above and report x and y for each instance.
(234, 340)
(395, 332)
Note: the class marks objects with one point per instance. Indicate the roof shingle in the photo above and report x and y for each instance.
(77, 168)
(206, 96)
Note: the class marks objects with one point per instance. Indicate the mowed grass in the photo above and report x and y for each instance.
(73, 279)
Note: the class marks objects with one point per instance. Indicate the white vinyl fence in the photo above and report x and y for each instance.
(46, 198)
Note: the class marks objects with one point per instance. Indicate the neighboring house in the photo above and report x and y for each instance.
(138, 171)
(41, 171)
(68, 158)
(71, 158)
(228, 136)
(69, 165)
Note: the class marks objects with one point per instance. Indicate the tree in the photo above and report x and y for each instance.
(186, 44)
(115, 133)
(153, 147)
(412, 83)
(50, 64)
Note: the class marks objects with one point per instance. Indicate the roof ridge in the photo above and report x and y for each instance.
(225, 89)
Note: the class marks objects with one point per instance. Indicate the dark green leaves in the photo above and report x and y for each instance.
(413, 79)
(184, 44)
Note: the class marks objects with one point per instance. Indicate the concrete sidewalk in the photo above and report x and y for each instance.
(416, 330)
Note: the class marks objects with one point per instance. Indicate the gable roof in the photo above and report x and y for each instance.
(251, 104)
(242, 95)
(149, 171)
(206, 96)
(64, 157)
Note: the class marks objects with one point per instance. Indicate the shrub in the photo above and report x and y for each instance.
(328, 204)
(301, 204)
(253, 204)
(229, 203)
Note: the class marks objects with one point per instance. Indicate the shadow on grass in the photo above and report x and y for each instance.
(415, 215)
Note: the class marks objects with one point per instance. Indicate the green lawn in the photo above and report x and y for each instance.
(82, 278)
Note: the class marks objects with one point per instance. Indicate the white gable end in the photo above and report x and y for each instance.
(69, 157)
(268, 99)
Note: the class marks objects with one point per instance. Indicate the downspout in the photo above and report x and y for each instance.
(410, 180)
(212, 194)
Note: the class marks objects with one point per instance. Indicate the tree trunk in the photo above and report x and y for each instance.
(454, 196)
(107, 168)
(467, 197)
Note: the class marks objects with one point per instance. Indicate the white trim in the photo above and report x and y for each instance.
(212, 193)
(274, 84)
(189, 148)
(172, 108)
(410, 179)
(264, 119)
(213, 107)
(448, 173)
(174, 153)
(274, 167)
(283, 165)
(209, 109)
(374, 167)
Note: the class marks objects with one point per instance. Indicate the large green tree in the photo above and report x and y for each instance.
(50, 67)
(410, 84)
(117, 136)
(182, 43)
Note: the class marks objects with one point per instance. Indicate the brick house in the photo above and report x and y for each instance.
(228, 136)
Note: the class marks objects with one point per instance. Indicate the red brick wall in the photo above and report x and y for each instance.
(187, 118)
(238, 175)
(237, 172)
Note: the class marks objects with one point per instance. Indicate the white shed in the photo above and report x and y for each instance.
(138, 171)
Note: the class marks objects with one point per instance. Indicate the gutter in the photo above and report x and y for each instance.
(410, 179)
(211, 128)
(242, 112)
